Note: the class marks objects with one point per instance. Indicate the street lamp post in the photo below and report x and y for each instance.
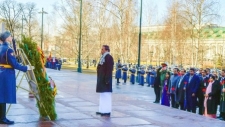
(22, 28)
(22, 25)
(42, 15)
(139, 42)
(79, 69)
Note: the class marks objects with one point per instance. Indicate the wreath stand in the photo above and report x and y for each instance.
(31, 80)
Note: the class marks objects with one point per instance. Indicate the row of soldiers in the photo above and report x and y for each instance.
(185, 90)
(122, 72)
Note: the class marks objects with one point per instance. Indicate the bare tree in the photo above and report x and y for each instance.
(197, 13)
(30, 17)
(10, 11)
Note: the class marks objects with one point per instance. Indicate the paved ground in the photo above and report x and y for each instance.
(77, 102)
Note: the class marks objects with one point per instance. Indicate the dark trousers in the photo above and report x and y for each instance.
(200, 105)
(191, 110)
(118, 80)
(2, 110)
(157, 93)
(125, 81)
(181, 105)
(222, 114)
(173, 101)
(59, 67)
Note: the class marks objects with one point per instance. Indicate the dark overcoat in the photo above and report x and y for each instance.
(192, 87)
(104, 75)
(222, 97)
(125, 69)
(7, 75)
(118, 70)
(212, 102)
(132, 75)
(180, 89)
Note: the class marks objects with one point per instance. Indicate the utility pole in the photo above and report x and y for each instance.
(42, 15)
(22, 27)
(139, 42)
(79, 69)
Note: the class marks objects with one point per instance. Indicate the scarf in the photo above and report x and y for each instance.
(208, 90)
(102, 59)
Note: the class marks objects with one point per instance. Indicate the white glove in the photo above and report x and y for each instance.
(30, 67)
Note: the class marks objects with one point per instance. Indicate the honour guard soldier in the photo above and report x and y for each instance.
(118, 71)
(138, 75)
(152, 77)
(8, 64)
(148, 75)
(132, 76)
(124, 69)
(142, 74)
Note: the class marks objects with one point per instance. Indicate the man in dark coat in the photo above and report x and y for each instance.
(174, 79)
(180, 88)
(222, 97)
(191, 90)
(204, 80)
(8, 64)
(104, 81)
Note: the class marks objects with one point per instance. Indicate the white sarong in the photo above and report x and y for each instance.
(105, 102)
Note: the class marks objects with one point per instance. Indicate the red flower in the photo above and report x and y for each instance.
(173, 88)
(203, 90)
(185, 83)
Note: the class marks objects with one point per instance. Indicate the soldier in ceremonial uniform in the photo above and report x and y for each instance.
(124, 69)
(152, 77)
(8, 64)
(118, 71)
(142, 74)
(132, 75)
(148, 76)
(138, 75)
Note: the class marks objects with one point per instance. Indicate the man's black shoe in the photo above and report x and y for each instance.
(6, 121)
(156, 102)
(105, 114)
(98, 113)
(221, 118)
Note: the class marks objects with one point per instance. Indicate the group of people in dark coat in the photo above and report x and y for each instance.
(189, 90)
(54, 63)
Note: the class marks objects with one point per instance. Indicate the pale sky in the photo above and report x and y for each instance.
(161, 7)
